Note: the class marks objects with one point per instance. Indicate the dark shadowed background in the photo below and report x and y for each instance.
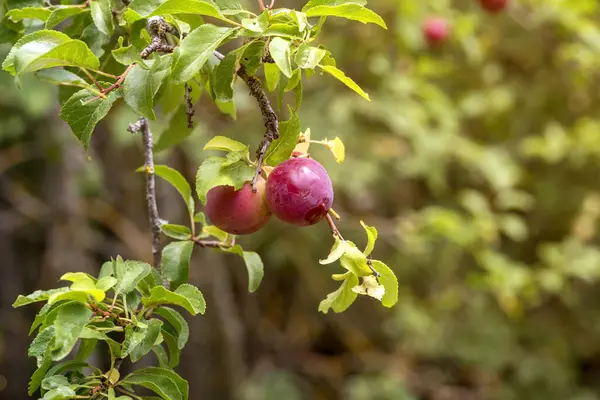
(478, 161)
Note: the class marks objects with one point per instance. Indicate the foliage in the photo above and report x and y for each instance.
(151, 53)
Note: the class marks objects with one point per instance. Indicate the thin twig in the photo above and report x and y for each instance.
(269, 116)
(142, 126)
(189, 106)
(94, 81)
(158, 28)
(333, 228)
(210, 243)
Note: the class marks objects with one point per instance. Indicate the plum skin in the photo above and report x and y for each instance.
(494, 5)
(239, 212)
(299, 191)
(436, 30)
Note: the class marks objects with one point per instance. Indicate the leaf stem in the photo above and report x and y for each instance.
(94, 81)
(334, 230)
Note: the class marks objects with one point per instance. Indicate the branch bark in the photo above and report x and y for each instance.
(268, 114)
(142, 126)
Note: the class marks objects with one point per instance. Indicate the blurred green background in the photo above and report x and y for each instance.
(477, 161)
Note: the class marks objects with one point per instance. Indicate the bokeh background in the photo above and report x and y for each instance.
(478, 161)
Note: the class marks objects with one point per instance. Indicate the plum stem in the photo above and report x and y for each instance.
(210, 243)
(267, 112)
(142, 126)
(333, 228)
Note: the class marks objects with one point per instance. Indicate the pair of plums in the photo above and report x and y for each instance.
(297, 191)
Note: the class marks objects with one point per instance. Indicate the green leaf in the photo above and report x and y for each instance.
(225, 144)
(39, 374)
(86, 349)
(195, 49)
(106, 283)
(133, 337)
(175, 133)
(177, 180)
(47, 49)
(129, 273)
(178, 232)
(161, 355)
(40, 344)
(354, 260)
(128, 55)
(198, 7)
(68, 325)
(102, 16)
(38, 295)
(79, 296)
(337, 251)
(253, 55)
(19, 14)
(164, 382)
(341, 76)
(389, 281)
(91, 334)
(186, 296)
(282, 148)
(342, 298)
(271, 75)
(211, 230)
(371, 238)
(254, 265)
(281, 53)
(145, 345)
(59, 76)
(175, 262)
(174, 351)
(177, 322)
(77, 277)
(308, 57)
(336, 146)
(82, 112)
(141, 85)
(224, 74)
(200, 218)
(214, 172)
(257, 25)
(59, 14)
(351, 11)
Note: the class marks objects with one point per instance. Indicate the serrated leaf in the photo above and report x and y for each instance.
(175, 262)
(254, 265)
(308, 57)
(352, 11)
(145, 345)
(389, 281)
(18, 14)
(280, 50)
(224, 75)
(164, 382)
(186, 296)
(133, 337)
(337, 251)
(129, 273)
(213, 172)
(257, 25)
(78, 296)
(175, 133)
(68, 325)
(82, 114)
(271, 75)
(178, 232)
(47, 49)
(102, 16)
(38, 295)
(193, 51)
(177, 322)
(161, 355)
(141, 85)
(177, 180)
(371, 238)
(59, 14)
(59, 76)
(342, 298)
(282, 148)
(225, 144)
(341, 76)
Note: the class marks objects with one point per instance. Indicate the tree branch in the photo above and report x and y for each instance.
(158, 28)
(334, 230)
(268, 115)
(142, 126)
(189, 112)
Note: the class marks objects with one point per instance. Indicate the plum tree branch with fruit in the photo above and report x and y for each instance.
(166, 56)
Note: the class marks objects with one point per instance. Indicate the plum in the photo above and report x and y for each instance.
(436, 30)
(299, 191)
(239, 212)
